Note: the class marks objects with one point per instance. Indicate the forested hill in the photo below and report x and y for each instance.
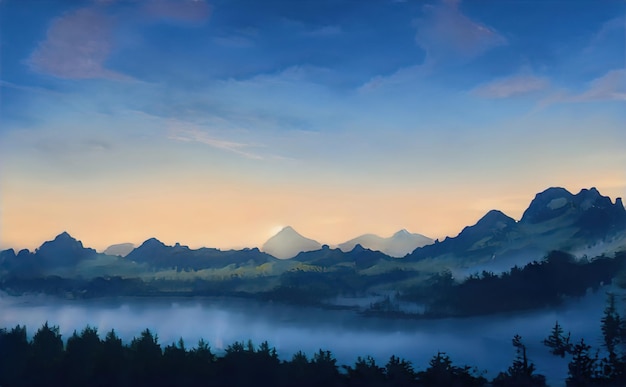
(538, 284)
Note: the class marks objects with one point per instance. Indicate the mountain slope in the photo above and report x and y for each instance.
(590, 213)
(398, 245)
(120, 249)
(157, 254)
(555, 220)
(480, 239)
(288, 243)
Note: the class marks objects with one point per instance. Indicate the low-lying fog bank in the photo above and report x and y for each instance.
(484, 342)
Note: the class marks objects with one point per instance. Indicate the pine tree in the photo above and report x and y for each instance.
(558, 342)
(613, 366)
(441, 372)
(611, 325)
(15, 352)
(400, 372)
(583, 369)
(521, 372)
(47, 355)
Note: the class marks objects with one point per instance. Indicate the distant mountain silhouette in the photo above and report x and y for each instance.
(63, 251)
(593, 214)
(157, 254)
(398, 245)
(479, 239)
(120, 249)
(288, 243)
(359, 256)
(555, 219)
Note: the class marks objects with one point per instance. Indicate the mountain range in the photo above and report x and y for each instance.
(398, 245)
(555, 220)
(288, 243)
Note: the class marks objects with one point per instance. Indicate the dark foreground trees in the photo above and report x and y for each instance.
(87, 359)
(590, 367)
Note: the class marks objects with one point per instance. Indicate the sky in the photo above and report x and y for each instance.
(216, 123)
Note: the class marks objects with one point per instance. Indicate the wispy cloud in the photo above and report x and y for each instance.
(233, 41)
(77, 45)
(613, 26)
(511, 86)
(446, 33)
(403, 75)
(324, 31)
(608, 87)
(195, 11)
(190, 133)
(447, 36)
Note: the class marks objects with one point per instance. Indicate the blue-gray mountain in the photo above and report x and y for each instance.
(555, 220)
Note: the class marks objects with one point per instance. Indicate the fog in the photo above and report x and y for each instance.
(484, 342)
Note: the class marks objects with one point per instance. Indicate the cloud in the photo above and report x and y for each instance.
(78, 43)
(183, 132)
(511, 86)
(76, 46)
(445, 33)
(608, 87)
(615, 26)
(401, 76)
(325, 31)
(195, 11)
(447, 36)
(234, 41)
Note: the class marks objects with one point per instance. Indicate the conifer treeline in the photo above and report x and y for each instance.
(86, 359)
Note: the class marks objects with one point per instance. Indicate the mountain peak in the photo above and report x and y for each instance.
(556, 203)
(548, 204)
(120, 249)
(63, 250)
(402, 232)
(398, 245)
(64, 240)
(287, 243)
(288, 230)
(152, 242)
(358, 248)
(493, 217)
(64, 235)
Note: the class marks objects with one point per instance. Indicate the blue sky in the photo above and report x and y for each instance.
(216, 122)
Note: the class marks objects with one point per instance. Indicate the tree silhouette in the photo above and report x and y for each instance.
(325, 368)
(558, 342)
(146, 356)
(81, 355)
(202, 363)
(46, 356)
(400, 372)
(366, 373)
(14, 355)
(611, 324)
(112, 364)
(441, 372)
(521, 372)
(583, 369)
